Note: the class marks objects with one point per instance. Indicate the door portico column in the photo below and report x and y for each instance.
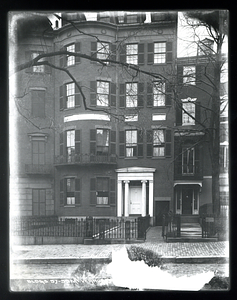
(151, 198)
(143, 197)
(119, 199)
(126, 204)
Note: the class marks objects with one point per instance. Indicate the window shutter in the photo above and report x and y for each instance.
(77, 49)
(169, 56)
(140, 143)
(123, 54)
(122, 95)
(113, 142)
(77, 191)
(112, 94)
(93, 141)
(93, 93)
(112, 191)
(61, 143)
(47, 68)
(150, 53)
(78, 95)
(197, 159)
(140, 94)
(197, 112)
(178, 162)
(149, 102)
(167, 94)
(200, 69)
(121, 143)
(168, 143)
(62, 191)
(178, 114)
(149, 143)
(180, 75)
(62, 96)
(140, 54)
(93, 50)
(62, 58)
(77, 144)
(28, 57)
(112, 52)
(93, 191)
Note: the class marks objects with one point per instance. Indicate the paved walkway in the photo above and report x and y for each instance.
(154, 242)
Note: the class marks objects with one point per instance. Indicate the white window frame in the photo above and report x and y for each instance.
(132, 54)
(188, 105)
(70, 145)
(158, 94)
(159, 52)
(158, 141)
(38, 69)
(70, 200)
(131, 94)
(131, 143)
(103, 50)
(102, 88)
(189, 75)
(70, 58)
(70, 94)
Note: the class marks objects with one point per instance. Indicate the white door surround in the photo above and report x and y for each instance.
(126, 175)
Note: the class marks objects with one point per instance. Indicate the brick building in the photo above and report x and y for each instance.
(133, 152)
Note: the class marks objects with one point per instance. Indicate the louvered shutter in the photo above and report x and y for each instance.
(112, 94)
(62, 134)
(178, 162)
(149, 102)
(178, 113)
(197, 112)
(77, 95)
(62, 96)
(200, 69)
(113, 142)
(180, 75)
(77, 50)
(150, 53)
(197, 159)
(62, 58)
(47, 68)
(77, 144)
(93, 88)
(149, 143)
(140, 54)
(123, 54)
(93, 141)
(77, 191)
(112, 52)
(93, 191)
(140, 94)
(93, 50)
(28, 57)
(169, 55)
(112, 192)
(140, 143)
(62, 191)
(167, 142)
(121, 143)
(122, 95)
(167, 94)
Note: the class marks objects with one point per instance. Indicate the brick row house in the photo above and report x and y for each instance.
(133, 152)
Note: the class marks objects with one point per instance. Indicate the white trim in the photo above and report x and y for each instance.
(181, 182)
(85, 117)
(135, 170)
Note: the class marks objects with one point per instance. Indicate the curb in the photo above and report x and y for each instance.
(195, 259)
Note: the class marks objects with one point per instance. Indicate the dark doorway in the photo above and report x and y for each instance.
(187, 197)
(161, 208)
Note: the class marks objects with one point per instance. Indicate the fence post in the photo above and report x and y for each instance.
(89, 226)
(127, 230)
(178, 220)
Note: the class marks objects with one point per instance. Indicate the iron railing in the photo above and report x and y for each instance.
(86, 159)
(208, 223)
(171, 225)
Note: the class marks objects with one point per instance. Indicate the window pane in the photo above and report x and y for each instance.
(131, 94)
(71, 138)
(102, 93)
(102, 50)
(159, 151)
(131, 137)
(158, 137)
(189, 75)
(71, 59)
(132, 49)
(190, 108)
(129, 152)
(40, 68)
(132, 54)
(70, 200)
(159, 47)
(159, 58)
(102, 137)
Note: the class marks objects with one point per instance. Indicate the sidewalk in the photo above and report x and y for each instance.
(204, 252)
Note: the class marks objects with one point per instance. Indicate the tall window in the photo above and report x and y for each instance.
(38, 103)
(70, 58)
(38, 202)
(188, 161)
(159, 94)
(70, 95)
(70, 191)
(102, 93)
(131, 94)
(188, 112)
(159, 53)
(158, 143)
(132, 54)
(38, 152)
(70, 145)
(40, 68)
(103, 50)
(131, 143)
(224, 157)
(189, 75)
(102, 188)
(102, 141)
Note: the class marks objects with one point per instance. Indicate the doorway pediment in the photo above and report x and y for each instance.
(136, 170)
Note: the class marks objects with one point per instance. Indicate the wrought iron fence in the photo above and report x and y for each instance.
(171, 225)
(86, 159)
(208, 224)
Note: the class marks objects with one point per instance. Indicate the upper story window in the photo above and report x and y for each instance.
(38, 152)
(131, 143)
(189, 75)
(132, 54)
(38, 69)
(70, 95)
(70, 59)
(159, 94)
(131, 94)
(102, 188)
(158, 142)
(70, 145)
(159, 53)
(102, 141)
(103, 50)
(188, 111)
(188, 161)
(38, 103)
(70, 191)
(132, 17)
(102, 93)
(224, 157)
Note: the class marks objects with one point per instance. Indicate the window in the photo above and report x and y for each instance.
(131, 143)
(70, 59)
(158, 142)
(159, 94)
(70, 145)
(37, 69)
(70, 95)
(38, 152)
(103, 50)
(132, 54)
(102, 188)
(224, 157)
(102, 141)
(188, 111)
(70, 191)
(132, 17)
(38, 202)
(189, 75)
(102, 93)
(131, 95)
(158, 117)
(188, 161)
(159, 53)
(38, 103)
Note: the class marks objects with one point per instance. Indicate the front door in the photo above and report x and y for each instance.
(135, 200)
(187, 199)
(161, 208)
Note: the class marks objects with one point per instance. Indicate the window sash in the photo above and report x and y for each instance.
(188, 161)
(102, 184)
(70, 58)
(189, 75)
(70, 94)
(159, 52)
(158, 143)
(37, 69)
(131, 94)
(159, 94)
(38, 152)
(102, 93)
(132, 54)
(103, 50)
(190, 108)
